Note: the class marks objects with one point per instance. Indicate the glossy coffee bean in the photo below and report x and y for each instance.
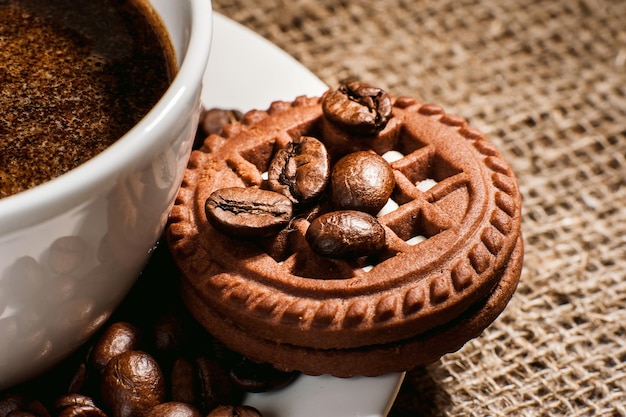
(345, 234)
(212, 121)
(82, 411)
(173, 409)
(132, 384)
(215, 385)
(14, 403)
(183, 381)
(10, 401)
(358, 107)
(300, 170)
(248, 212)
(362, 181)
(169, 334)
(80, 378)
(235, 411)
(72, 400)
(260, 377)
(117, 338)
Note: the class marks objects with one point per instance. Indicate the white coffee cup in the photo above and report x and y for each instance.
(71, 248)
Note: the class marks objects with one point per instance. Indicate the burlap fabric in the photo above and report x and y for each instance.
(546, 81)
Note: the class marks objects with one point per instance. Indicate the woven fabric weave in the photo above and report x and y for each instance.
(546, 82)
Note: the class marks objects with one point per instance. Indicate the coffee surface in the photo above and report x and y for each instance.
(75, 76)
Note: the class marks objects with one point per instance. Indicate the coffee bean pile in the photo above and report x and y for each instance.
(150, 359)
(341, 194)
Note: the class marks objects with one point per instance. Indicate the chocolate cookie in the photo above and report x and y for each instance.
(445, 265)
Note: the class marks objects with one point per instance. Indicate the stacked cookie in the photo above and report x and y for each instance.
(349, 234)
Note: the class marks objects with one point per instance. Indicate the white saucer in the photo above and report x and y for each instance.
(246, 72)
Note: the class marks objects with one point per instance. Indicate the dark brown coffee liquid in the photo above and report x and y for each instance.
(75, 75)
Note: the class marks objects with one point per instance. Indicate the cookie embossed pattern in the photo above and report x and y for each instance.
(451, 260)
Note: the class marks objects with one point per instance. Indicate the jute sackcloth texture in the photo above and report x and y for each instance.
(546, 82)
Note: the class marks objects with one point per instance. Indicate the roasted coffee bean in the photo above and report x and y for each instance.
(174, 409)
(235, 411)
(10, 401)
(71, 400)
(169, 334)
(13, 403)
(79, 380)
(362, 181)
(220, 352)
(260, 377)
(300, 170)
(183, 381)
(345, 234)
(82, 411)
(117, 338)
(248, 212)
(16, 404)
(216, 386)
(358, 107)
(212, 121)
(132, 384)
